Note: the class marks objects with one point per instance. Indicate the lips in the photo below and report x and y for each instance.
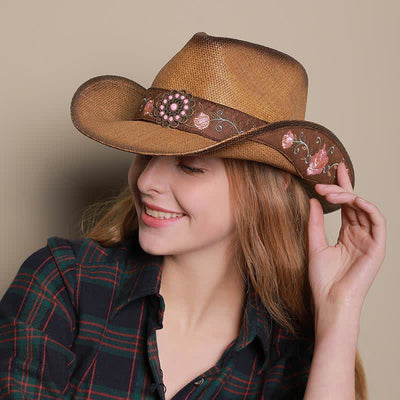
(158, 208)
(159, 222)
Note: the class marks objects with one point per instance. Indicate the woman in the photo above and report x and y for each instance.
(210, 275)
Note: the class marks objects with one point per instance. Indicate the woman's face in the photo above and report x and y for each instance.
(201, 195)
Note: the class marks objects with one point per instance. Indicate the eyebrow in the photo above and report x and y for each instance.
(193, 158)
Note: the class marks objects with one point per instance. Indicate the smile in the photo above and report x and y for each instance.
(160, 214)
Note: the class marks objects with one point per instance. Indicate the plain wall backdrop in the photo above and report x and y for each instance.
(50, 172)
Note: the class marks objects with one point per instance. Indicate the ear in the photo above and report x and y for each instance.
(287, 178)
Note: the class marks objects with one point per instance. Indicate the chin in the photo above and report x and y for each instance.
(150, 245)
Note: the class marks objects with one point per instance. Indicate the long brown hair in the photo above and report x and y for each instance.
(271, 211)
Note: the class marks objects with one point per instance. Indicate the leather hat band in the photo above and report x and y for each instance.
(181, 110)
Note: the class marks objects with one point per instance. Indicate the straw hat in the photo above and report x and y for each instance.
(219, 97)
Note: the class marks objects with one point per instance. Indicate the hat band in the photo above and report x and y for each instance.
(181, 110)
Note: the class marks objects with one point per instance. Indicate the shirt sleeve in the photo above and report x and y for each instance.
(290, 365)
(38, 325)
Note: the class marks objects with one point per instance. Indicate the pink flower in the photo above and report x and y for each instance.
(287, 140)
(318, 162)
(202, 121)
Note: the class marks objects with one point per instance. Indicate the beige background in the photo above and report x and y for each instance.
(50, 171)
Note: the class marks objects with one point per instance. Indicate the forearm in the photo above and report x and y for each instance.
(332, 368)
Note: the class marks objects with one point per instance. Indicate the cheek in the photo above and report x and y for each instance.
(209, 208)
(133, 175)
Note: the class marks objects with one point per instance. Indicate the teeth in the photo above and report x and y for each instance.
(160, 214)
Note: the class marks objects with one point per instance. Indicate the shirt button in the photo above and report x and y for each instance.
(199, 382)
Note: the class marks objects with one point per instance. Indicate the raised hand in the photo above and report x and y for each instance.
(341, 275)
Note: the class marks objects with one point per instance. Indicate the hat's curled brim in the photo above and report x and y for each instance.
(103, 109)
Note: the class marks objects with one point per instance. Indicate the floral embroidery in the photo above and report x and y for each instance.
(181, 110)
(202, 121)
(219, 127)
(287, 140)
(174, 108)
(317, 163)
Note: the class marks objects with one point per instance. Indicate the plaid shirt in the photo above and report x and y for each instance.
(78, 322)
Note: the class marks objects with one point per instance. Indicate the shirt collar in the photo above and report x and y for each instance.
(140, 275)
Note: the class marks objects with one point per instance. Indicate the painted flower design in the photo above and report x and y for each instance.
(174, 108)
(318, 162)
(202, 121)
(287, 140)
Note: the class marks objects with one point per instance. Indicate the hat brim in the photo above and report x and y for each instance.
(103, 109)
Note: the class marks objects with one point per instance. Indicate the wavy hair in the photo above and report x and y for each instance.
(271, 211)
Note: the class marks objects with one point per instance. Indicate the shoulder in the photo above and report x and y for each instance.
(57, 253)
(49, 271)
(53, 267)
(63, 265)
(87, 259)
(87, 251)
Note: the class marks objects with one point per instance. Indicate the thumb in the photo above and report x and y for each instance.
(316, 230)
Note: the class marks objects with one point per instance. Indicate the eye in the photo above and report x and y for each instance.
(194, 170)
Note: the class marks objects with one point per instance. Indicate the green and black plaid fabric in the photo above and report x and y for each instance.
(78, 322)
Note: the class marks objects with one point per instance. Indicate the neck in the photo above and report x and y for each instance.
(200, 292)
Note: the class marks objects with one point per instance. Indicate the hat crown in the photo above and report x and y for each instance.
(255, 79)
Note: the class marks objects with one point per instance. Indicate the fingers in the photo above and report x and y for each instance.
(332, 191)
(355, 210)
(352, 211)
(344, 182)
(343, 178)
(378, 221)
(360, 211)
(344, 193)
(350, 214)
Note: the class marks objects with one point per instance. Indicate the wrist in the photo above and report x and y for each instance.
(332, 318)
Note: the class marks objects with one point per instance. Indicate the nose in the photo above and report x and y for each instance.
(153, 178)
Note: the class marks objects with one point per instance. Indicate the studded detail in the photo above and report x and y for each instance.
(199, 381)
(174, 108)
